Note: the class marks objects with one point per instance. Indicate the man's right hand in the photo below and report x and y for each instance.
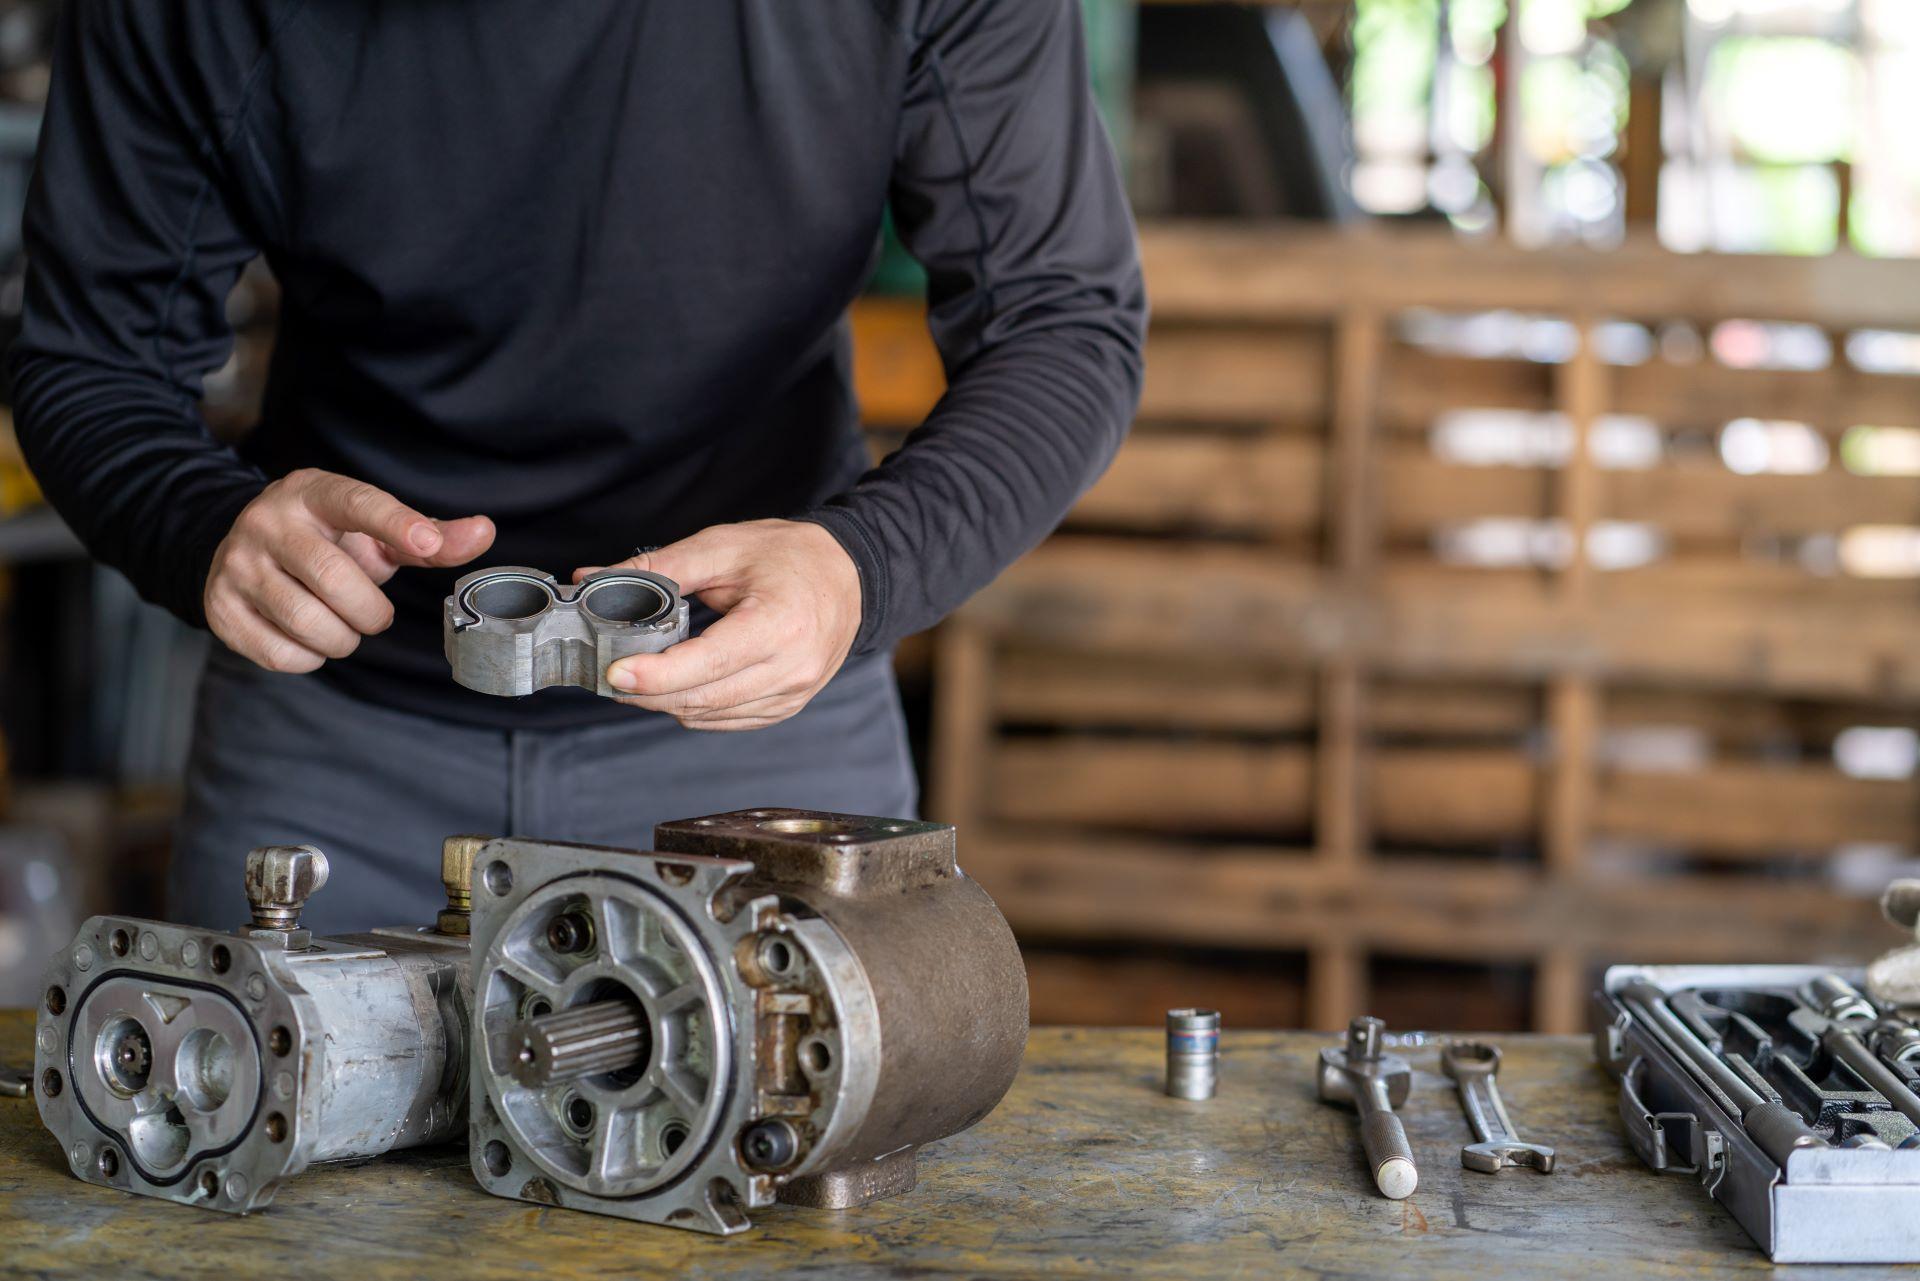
(297, 580)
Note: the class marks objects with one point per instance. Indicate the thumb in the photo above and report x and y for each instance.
(462, 540)
(701, 561)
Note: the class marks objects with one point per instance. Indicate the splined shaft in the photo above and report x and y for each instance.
(589, 1040)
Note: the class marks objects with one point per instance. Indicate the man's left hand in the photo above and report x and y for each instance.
(789, 599)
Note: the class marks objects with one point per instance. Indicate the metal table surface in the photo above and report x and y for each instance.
(1085, 1170)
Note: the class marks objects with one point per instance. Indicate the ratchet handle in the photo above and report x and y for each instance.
(1389, 1156)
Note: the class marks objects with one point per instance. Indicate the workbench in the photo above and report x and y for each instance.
(1085, 1170)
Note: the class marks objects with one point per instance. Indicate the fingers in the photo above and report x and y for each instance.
(352, 506)
(697, 563)
(241, 628)
(462, 540)
(284, 601)
(734, 644)
(337, 579)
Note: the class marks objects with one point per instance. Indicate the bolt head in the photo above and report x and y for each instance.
(285, 874)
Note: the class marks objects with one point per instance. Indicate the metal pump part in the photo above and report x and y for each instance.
(512, 630)
(208, 1068)
(773, 1005)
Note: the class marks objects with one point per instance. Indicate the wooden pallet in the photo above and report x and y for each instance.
(1239, 701)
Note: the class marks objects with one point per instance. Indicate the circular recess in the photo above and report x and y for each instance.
(276, 1127)
(50, 1083)
(816, 1057)
(498, 879)
(280, 1041)
(108, 1163)
(209, 1182)
(674, 873)
(204, 1067)
(496, 1158)
(56, 999)
(579, 1114)
(626, 600)
(119, 943)
(672, 1135)
(220, 958)
(509, 598)
(123, 1053)
(570, 933)
(809, 826)
(777, 956)
(160, 1138)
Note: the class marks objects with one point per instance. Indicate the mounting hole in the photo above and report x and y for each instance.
(816, 1057)
(498, 879)
(672, 1135)
(570, 933)
(108, 1163)
(580, 1114)
(626, 600)
(123, 1054)
(220, 959)
(209, 1182)
(674, 873)
(56, 999)
(50, 1083)
(496, 1158)
(204, 1067)
(510, 598)
(280, 1041)
(276, 1127)
(119, 943)
(777, 956)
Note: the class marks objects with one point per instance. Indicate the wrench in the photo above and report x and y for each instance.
(1473, 1065)
(1373, 1084)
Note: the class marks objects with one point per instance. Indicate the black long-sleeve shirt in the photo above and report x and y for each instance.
(580, 266)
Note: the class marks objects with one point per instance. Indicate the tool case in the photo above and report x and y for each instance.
(1824, 1168)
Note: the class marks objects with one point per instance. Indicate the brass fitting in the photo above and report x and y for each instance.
(456, 873)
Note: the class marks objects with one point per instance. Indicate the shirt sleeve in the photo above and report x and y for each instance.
(132, 250)
(1006, 190)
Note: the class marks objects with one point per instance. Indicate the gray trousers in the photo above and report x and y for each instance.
(280, 759)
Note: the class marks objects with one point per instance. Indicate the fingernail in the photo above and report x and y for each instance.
(425, 538)
(621, 678)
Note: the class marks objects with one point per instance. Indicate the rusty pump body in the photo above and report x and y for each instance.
(771, 1005)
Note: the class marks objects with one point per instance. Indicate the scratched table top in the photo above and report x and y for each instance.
(1085, 1170)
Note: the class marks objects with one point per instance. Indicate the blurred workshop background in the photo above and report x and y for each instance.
(1504, 578)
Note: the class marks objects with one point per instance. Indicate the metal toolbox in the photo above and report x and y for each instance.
(1782, 1089)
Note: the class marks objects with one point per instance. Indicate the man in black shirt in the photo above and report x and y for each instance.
(559, 281)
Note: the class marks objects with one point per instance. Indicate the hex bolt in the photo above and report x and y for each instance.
(770, 1145)
(280, 879)
(1193, 1053)
(457, 855)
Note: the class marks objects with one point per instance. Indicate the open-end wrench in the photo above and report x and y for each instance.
(1473, 1066)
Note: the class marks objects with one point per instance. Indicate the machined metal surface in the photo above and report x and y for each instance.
(511, 631)
(1740, 1077)
(1193, 1053)
(1473, 1066)
(1372, 1082)
(208, 1068)
(772, 1004)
